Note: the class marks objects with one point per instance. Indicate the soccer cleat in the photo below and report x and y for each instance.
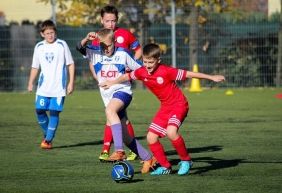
(161, 171)
(147, 165)
(104, 156)
(184, 167)
(117, 156)
(46, 145)
(131, 156)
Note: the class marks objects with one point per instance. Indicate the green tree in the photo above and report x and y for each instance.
(78, 12)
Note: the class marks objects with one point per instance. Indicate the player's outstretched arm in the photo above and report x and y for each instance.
(89, 37)
(81, 46)
(32, 76)
(215, 78)
(108, 83)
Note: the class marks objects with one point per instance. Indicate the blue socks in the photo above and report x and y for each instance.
(48, 124)
(52, 126)
(43, 120)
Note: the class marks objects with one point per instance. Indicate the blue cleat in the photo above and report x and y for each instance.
(184, 167)
(161, 171)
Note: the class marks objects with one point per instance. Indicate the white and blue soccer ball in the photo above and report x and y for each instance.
(122, 171)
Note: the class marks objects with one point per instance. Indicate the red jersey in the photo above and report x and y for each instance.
(162, 83)
(124, 39)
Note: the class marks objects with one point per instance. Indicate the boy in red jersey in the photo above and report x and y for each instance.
(124, 39)
(160, 80)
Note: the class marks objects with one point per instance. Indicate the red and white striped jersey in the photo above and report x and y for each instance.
(162, 83)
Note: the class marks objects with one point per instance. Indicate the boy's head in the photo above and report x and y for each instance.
(109, 17)
(48, 31)
(107, 41)
(151, 57)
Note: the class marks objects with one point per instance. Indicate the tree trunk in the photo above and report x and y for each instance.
(193, 37)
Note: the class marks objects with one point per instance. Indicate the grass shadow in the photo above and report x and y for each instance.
(213, 164)
(211, 148)
(89, 143)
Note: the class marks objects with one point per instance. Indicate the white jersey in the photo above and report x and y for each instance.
(52, 60)
(110, 68)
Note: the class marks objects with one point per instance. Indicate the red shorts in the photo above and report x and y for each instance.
(168, 115)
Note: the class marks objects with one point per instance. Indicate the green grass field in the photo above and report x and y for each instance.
(235, 142)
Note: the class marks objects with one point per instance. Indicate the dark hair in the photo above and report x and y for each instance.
(47, 24)
(109, 9)
(151, 50)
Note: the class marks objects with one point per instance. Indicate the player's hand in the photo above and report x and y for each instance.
(218, 78)
(29, 87)
(105, 85)
(69, 89)
(91, 36)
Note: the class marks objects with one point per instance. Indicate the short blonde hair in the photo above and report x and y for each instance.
(104, 34)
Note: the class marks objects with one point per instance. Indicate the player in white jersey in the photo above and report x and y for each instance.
(111, 67)
(125, 39)
(53, 58)
(109, 63)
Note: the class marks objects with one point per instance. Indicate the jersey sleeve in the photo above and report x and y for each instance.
(68, 56)
(135, 75)
(131, 63)
(128, 39)
(176, 74)
(134, 43)
(90, 50)
(35, 59)
(90, 55)
(81, 49)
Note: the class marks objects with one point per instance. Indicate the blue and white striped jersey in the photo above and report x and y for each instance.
(110, 68)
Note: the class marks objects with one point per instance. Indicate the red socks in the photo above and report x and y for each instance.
(159, 153)
(130, 130)
(179, 146)
(108, 137)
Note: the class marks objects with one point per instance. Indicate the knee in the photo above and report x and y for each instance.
(54, 113)
(172, 133)
(172, 136)
(152, 138)
(109, 112)
(40, 111)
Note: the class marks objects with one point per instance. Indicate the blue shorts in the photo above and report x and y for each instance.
(126, 99)
(49, 103)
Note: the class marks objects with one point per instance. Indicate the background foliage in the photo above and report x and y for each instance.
(216, 35)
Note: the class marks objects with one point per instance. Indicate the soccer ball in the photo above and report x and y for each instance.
(122, 171)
